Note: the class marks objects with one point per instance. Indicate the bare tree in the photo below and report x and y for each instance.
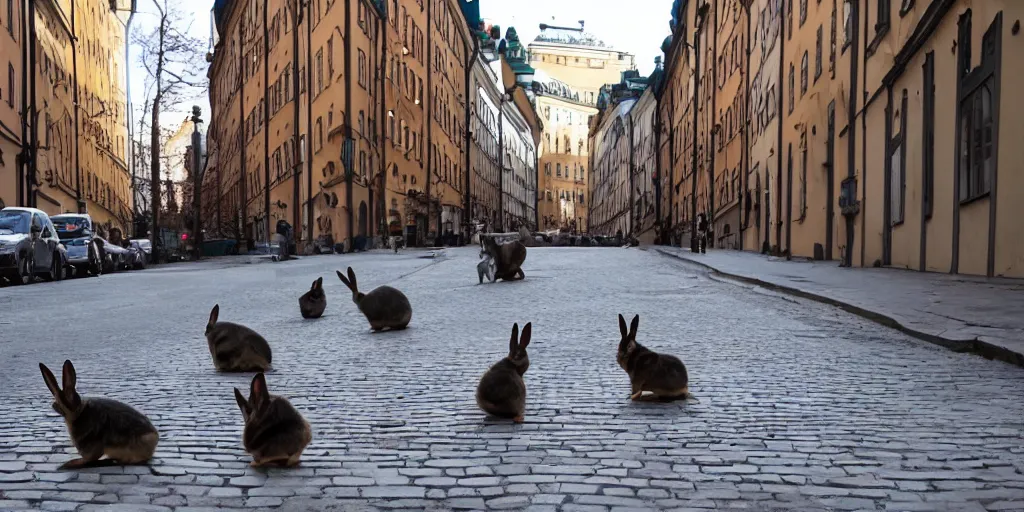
(173, 62)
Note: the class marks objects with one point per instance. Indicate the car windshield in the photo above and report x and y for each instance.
(13, 221)
(70, 227)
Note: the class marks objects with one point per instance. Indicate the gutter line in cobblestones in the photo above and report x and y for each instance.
(975, 346)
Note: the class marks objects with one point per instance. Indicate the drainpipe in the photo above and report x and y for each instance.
(25, 155)
(266, 123)
(745, 168)
(696, 99)
(128, 109)
(34, 112)
(296, 150)
(713, 125)
(349, 169)
(81, 205)
(501, 161)
(309, 118)
(536, 189)
(632, 179)
(428, 111)
(243, 211)
(467, 208)
(382, 80)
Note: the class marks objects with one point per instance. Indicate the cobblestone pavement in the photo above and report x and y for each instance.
(802, 406)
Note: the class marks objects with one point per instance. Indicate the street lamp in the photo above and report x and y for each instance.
(197, 180)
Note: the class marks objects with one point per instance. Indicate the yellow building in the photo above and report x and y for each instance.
(376, 115)
(571, 67)
(62, 158)
(871, 139)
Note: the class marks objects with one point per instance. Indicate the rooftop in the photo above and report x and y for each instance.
(568, 35)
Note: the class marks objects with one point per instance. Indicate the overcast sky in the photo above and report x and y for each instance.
(635, 26)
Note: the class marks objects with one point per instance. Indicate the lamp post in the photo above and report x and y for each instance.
(197, 180)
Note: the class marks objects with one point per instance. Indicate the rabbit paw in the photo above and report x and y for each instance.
(518, 419)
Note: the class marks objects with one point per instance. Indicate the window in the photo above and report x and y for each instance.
(319, 134)
(847, 23)
(330, 58)
(882, 25)
(803, 75)
(832, 43)
(319, 71)
(817, 55)
(789, 18)
(928, 138)
(362, 69)
(558, 170)
(897, 180)
(10, 17)
(803, 12)
(10, 84)
(977, 161)
(792, 87)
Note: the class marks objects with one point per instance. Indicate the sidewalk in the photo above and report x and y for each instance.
(964, 313)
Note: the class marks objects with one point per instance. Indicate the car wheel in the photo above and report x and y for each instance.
(56, 272)
(25, 275)
(95, 262)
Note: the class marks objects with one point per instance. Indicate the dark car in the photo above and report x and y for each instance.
(85, 249)
(29, 246)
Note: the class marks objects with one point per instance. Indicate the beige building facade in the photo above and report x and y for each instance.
(572, 66)
(63, 109)
(375, 142)
(866, 138)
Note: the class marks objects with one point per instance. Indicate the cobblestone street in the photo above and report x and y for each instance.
(802, 406)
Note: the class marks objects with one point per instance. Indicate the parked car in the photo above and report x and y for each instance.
(116, 257)
(85, 249)
(29, 246)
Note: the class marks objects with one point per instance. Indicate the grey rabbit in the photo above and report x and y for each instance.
(384, 307)
(313, 303)
(236, 348)
(100, 426)
(502, 391)
(662, 374)
(275, 433)
(508, 258)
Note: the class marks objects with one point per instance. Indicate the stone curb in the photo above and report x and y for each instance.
(975, 346)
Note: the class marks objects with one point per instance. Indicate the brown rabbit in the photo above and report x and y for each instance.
(275, 433)
(100, 426)
(236, 348)
(502, 391)
(313, 303)
(385, 307)
(508, 258)
(661, 374)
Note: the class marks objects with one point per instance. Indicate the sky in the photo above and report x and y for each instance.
(634, 26)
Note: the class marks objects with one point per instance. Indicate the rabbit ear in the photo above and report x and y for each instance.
(513, 344)
(633, 326)
(352, 277)
(214, 313)
(320, 282)
(622, 327)
(51, 382)
(243, 404)
(344, 279)
(524, 340)
(258, 393)
(70, 378)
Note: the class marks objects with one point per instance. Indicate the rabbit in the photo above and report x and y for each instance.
(275, 433)
(385, 307)
(485, 268)
(508, 258)
(100, 426)
(313, 303)
(662, 374)
(502, 391)
(236, 348)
